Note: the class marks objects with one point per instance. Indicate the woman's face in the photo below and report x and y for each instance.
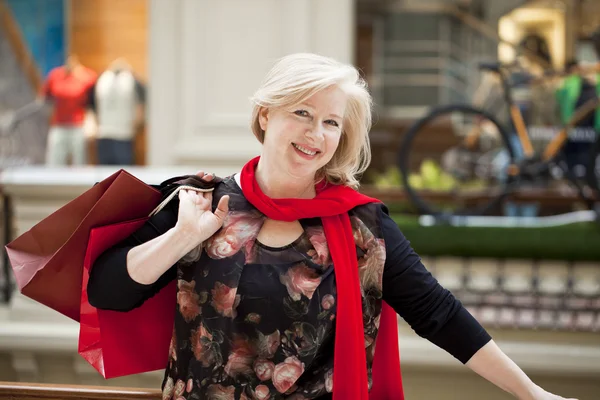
(303, 138)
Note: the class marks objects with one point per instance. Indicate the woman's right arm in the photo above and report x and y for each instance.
(147, 262)
(123, 277)
(126, 275)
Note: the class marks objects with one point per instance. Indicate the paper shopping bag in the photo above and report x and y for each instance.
(124, 343)
(47, 260)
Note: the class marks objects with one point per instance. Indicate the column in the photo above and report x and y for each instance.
(206, 60)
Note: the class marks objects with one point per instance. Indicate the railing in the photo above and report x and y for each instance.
(34, 391)
(24, 57)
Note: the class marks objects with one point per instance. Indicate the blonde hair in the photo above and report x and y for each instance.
(295, 78)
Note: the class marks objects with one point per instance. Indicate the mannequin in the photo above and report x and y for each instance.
(117, 101)
(66, 89)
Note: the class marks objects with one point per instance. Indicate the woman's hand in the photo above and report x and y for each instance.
(541, 394)
(196, 217)
(495, 366)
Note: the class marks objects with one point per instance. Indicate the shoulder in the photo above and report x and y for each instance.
(372, 210)
(228, 186)
(90, 74)
(55, 73)
(368, 216)
(377, 218)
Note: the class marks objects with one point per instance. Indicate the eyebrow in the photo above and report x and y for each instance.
(311, 106)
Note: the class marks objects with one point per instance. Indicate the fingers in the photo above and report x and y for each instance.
(205, 176)
(183, 196)
(222, 208)
(195, 196)
(189, 195)
(208, 197)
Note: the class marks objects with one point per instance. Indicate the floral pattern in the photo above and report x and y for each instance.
(239, 229)
(257, 323)
(188, 300)
(301, 280)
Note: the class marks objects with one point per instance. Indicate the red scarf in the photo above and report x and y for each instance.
(332, 204)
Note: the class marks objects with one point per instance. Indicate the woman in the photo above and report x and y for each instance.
(261, 311)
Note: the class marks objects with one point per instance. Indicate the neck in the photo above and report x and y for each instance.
(277, 184)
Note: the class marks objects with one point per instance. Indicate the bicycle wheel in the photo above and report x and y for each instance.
(471, 175)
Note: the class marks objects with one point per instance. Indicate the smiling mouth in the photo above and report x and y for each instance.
(305, 150)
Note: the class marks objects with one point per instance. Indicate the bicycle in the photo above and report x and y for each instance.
(474, 164)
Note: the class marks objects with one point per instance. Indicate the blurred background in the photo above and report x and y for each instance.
(469, 151)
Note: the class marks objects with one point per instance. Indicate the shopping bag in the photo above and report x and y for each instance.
(124, 343)
(47, 260)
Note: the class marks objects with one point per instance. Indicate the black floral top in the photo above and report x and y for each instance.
(256, 322)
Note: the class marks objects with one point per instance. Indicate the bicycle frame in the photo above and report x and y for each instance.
(556, 143)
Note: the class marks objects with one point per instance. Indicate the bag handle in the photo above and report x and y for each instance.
(175, 192)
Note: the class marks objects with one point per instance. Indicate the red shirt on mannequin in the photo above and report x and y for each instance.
(68, 90)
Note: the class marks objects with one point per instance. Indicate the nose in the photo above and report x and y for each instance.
(316, 132)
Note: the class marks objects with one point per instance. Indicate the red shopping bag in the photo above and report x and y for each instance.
(124, 343)
(47, 260)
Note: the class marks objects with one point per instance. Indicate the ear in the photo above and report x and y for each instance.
(263, 118)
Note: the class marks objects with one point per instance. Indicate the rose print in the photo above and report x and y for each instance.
(327, 302)
(250, 252)
(329, 381)
(188, 300)
(173, 346)
(224, 300)
(372, 263)
(179, 388)
(190, 385)
(362, 234)
(264, 369)
(320, 254)
(205, 349)
(287, 373)
(301, 280)
(267, 345)
(370, 267)
(253, 318)
(218, 392)
(368, 341)
(241, 357)
(262, 392)
(167, 392)
(238, 229)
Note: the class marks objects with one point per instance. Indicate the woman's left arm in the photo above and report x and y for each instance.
(436, 315)
(495, 366)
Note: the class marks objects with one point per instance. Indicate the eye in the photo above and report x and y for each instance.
(301, 113)
(332, 123)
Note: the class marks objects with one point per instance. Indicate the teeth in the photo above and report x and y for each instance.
(305, 151)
